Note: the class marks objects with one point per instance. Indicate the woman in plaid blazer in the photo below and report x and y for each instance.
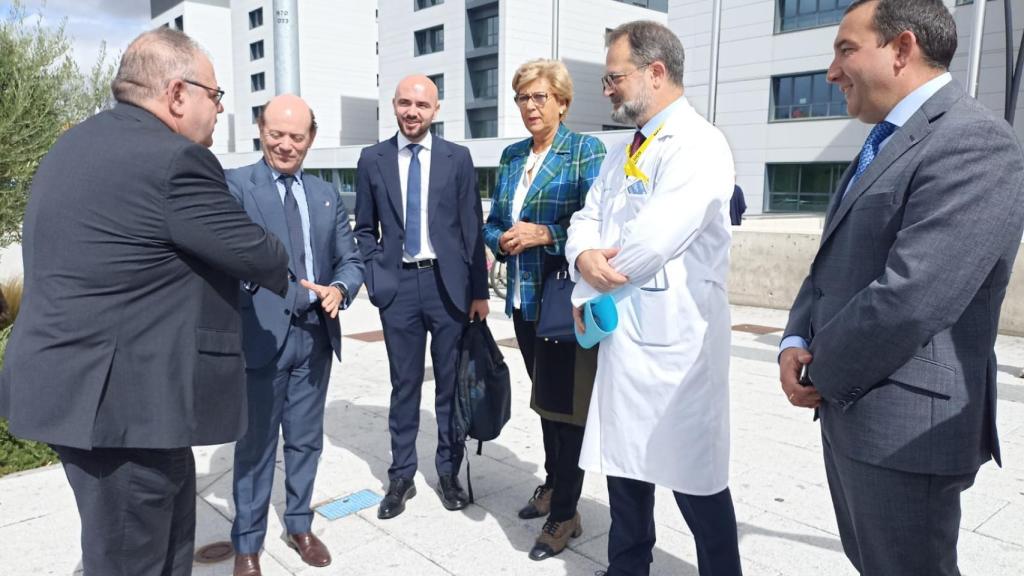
(542, 181)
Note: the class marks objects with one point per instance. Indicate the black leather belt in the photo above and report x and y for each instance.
(420, 264)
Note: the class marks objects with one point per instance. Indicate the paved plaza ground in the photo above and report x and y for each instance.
(786, 523)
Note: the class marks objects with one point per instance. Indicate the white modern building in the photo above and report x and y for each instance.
(788, 128)
(337, 54)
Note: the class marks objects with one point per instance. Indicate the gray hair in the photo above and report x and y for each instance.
(152, 61)
(649, 42)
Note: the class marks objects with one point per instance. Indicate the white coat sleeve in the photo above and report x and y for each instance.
(691, 185)
(585, 234)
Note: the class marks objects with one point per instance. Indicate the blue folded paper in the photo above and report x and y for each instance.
(600, 318)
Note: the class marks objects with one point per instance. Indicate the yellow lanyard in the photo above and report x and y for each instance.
(632, 167)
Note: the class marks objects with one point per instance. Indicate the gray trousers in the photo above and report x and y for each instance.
(895, 523)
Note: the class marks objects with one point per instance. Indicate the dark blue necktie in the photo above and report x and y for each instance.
(412, 204)
(879, 133)
(298, 243)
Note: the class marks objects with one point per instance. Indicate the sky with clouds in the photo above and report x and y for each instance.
(91, 22)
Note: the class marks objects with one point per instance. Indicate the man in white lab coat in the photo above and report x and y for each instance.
(655, 232)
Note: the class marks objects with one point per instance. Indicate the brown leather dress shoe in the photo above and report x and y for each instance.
(247, 565)
(554, 537)
(539, 504)
(310, 548)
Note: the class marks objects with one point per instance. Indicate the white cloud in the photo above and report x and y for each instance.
(91, 22)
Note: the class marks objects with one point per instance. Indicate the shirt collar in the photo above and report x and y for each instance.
(276, 174)
(658, 119)
(427, 142)
(912, 102)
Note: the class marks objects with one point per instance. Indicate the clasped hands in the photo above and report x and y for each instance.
(595, 268)
(522, 236)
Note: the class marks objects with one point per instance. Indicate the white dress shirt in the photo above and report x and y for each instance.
(404, 158)
(530, 171)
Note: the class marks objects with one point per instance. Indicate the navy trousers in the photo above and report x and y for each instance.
(285, 397)
(138, 509)
(893, 522)
(421, 306)
(711, 520)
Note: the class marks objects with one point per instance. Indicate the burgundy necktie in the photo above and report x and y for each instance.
(638, 141)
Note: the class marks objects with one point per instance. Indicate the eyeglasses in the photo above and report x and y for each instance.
(539, 98)
(611, 79)
(219, 93)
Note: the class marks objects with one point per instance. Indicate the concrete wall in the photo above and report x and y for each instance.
(768, 267)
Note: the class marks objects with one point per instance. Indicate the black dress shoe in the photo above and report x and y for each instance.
(393, 504)
(452, 495)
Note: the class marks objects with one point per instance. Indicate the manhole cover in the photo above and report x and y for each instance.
(213, 553)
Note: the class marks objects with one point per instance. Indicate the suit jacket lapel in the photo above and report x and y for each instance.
(552, 165)
(440, 164)
(268, 201)
(387, 163)
(917, 128)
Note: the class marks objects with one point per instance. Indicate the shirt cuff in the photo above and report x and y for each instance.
(792, 342)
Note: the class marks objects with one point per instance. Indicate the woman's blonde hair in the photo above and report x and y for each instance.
(554, 71)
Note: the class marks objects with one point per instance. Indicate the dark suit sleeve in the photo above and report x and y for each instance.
(206, 221)
(367, 230)
(348, 264)
(963, 211)
(471, 217)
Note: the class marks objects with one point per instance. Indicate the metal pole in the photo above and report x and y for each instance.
(555, 15)
(974, 62)
(716, 31)
(286, 47)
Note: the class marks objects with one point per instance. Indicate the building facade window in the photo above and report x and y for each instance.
(484, 31)
(257, 82)
(255, 144)
(255, 18)
(484, 83)
(256, 111)
(659, 5)
(429, 41)
(438, 80)
(437, 129)
(802, 14)
(802, 187)
(421, 4)
(256, 50)
(486, 180)
(179, 23)
(482, 123)
(806, 96)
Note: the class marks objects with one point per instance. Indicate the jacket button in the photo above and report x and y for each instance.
(287, 311)
(818, 293)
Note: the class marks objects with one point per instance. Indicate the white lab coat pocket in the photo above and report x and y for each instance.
(657, 317)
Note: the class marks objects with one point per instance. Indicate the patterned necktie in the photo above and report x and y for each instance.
(298, 243)
(412, 203)
(879, 133)
(638, 141)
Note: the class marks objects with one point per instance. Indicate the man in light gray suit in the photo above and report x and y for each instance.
(896, 322)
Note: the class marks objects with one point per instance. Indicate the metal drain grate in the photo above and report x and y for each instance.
(349, 504)
(213, 553)
(755, 329)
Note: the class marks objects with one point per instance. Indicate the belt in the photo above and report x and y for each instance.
(420, 264)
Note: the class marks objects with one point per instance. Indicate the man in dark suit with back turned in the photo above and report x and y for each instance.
(128, 348)
(288, 341)
(419, 228)
(897, 319)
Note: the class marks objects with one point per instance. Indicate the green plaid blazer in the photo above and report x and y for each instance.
(558, 190)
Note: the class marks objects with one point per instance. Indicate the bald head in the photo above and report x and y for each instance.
(415, 105)
(287, 129)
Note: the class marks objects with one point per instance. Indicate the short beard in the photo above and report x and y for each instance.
(415, 137)
(631, 111)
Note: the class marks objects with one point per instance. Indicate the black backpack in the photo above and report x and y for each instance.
(483, 391)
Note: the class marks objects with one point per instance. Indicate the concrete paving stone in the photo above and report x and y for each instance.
(212, 462)
(791, 547)
(49, 544)
(34, 494)
(977, 508)
(1007, 525)
(753, 452)
(383, 556)
(219, 493)
(799, 501)
(980, 555)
